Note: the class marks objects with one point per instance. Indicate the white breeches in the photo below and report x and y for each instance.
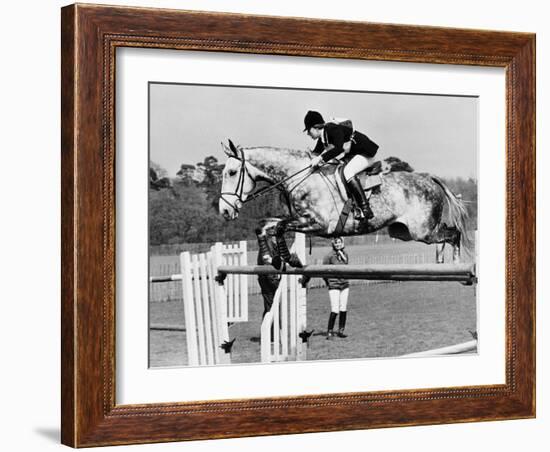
(357, 164)
(338, 299)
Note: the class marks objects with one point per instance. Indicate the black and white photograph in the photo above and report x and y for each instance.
(269, 226)
(294, 224)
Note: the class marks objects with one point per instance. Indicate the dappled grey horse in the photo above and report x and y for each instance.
(409, 204)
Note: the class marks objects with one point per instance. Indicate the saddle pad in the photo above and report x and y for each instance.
(368, 182)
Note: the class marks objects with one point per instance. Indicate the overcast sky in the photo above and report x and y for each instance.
(437, 134)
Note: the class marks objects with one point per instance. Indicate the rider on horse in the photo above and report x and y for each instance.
(335, 138)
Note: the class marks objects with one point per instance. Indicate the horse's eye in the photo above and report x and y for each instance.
(232, 172)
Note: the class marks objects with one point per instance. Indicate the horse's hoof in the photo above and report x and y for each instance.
(295, 261)
(278, 263)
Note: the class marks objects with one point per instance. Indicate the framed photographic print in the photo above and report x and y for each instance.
(254, 207)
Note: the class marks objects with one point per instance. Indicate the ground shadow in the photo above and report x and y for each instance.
(50, 433)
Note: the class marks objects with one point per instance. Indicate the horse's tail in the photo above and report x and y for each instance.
(457, 213)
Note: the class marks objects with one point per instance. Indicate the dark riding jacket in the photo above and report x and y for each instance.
(336, 257)
(336, 135)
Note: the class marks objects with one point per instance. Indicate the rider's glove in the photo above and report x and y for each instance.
(316, 162)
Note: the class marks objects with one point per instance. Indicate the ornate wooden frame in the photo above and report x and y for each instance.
(90, 35)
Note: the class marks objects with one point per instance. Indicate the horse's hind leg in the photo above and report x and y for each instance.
(447, 234)
(456, 246)
(440, 253)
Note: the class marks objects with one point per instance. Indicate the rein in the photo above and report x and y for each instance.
(240, 183)
(276, 185)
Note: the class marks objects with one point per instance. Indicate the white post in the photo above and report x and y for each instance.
(198, 301)
(243, 295)
(265, 338)
(301, 299)
(293, 339)
(221, 305)
(188, 306)
(277, 319)
(229, 292)
(207, 294)
(283, 325)
(212, 303)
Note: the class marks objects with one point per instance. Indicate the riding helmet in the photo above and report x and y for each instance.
(313, 118)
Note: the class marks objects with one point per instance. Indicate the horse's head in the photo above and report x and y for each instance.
(237, 182)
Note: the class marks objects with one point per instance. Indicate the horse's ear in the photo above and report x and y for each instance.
(233, 149)
(226, 150)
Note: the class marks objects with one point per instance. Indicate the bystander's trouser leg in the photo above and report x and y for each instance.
(343, 312)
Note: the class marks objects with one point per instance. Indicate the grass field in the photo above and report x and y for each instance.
(384, 320)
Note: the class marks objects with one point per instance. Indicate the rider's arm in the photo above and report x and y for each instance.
(336, 139)
(319, 147)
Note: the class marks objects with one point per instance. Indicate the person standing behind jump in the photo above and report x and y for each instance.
(268, 283)
(338, 289)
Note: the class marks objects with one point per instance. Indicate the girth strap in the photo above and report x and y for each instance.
(344, 214)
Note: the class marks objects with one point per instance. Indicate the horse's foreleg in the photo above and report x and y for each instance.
(266, 232)
(263, 247)
(276, 227)
(292, 259)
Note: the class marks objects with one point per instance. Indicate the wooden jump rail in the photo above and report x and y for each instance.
(162, 279)
(464, 273)
(465, 347)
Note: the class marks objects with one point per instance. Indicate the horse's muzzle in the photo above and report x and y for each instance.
(229, 210)
(230, 216)
(229, 213)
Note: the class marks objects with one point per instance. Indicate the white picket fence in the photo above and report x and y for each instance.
(208, 306)
(205, 310)
(236, 286)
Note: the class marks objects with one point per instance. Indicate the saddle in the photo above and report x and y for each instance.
(370, 178)
(368, 182)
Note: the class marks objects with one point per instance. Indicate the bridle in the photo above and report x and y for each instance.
(239, 190)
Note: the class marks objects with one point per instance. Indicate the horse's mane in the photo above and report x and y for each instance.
(390, 164)
(296, 153)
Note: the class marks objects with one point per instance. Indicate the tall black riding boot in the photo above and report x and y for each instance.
(331, 322)
(342, 323)
(359, 197)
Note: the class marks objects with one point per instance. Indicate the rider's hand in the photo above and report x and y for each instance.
(316, 162)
